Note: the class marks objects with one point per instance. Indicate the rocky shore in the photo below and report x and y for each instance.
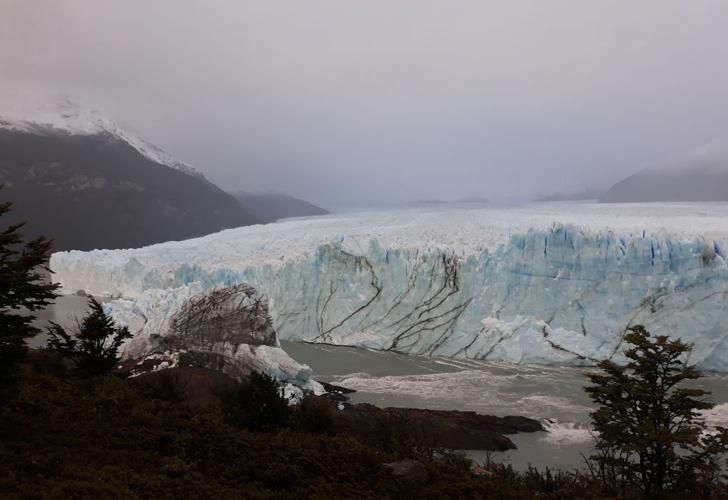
(460, 430)
(198, 387)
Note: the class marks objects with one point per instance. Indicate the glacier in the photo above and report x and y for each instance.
(544, 283)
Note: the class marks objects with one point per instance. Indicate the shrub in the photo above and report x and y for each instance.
(167, 385)
(313, 415)
(256, 404)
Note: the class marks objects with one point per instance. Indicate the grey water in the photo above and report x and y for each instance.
(65, 311)
(553, 395)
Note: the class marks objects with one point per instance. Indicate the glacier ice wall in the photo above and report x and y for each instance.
(558, 294)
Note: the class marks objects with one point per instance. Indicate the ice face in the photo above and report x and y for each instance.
(542, 284)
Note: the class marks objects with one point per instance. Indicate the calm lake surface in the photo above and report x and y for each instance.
(553, 395)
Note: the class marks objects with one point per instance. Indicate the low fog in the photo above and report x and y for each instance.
(386, 101)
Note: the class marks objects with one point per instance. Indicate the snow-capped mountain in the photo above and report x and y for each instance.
(75, 176)
(67, 117)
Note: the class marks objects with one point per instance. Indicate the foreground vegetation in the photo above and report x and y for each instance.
(103, 436)
(21, 287)
(650, 432)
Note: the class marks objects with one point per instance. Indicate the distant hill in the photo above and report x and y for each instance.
(76, 177)
(431, 201)
(690, 184)
(270, 207)
(470, 200)
(587, 194)
(473, 199)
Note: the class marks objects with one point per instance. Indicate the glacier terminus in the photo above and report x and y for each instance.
(543, 283)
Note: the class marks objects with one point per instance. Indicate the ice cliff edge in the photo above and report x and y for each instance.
(560, 294)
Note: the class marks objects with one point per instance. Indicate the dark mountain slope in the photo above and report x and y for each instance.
(270, 207)
(97, 191)
(693, 184)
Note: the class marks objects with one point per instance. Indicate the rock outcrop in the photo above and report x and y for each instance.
(462, 430)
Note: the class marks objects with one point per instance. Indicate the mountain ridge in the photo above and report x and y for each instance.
(707, 182)
(86, 183)
(68, 117)
(270, 206)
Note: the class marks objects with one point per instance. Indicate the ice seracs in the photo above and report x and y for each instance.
(537, 284)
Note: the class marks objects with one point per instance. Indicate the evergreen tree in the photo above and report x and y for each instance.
(94, 348)
(22, 290)
(650, 432)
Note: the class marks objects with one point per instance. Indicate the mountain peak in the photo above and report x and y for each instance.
(66, 117)
(61, 116)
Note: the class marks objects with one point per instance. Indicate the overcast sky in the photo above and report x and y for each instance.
(374, 100)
